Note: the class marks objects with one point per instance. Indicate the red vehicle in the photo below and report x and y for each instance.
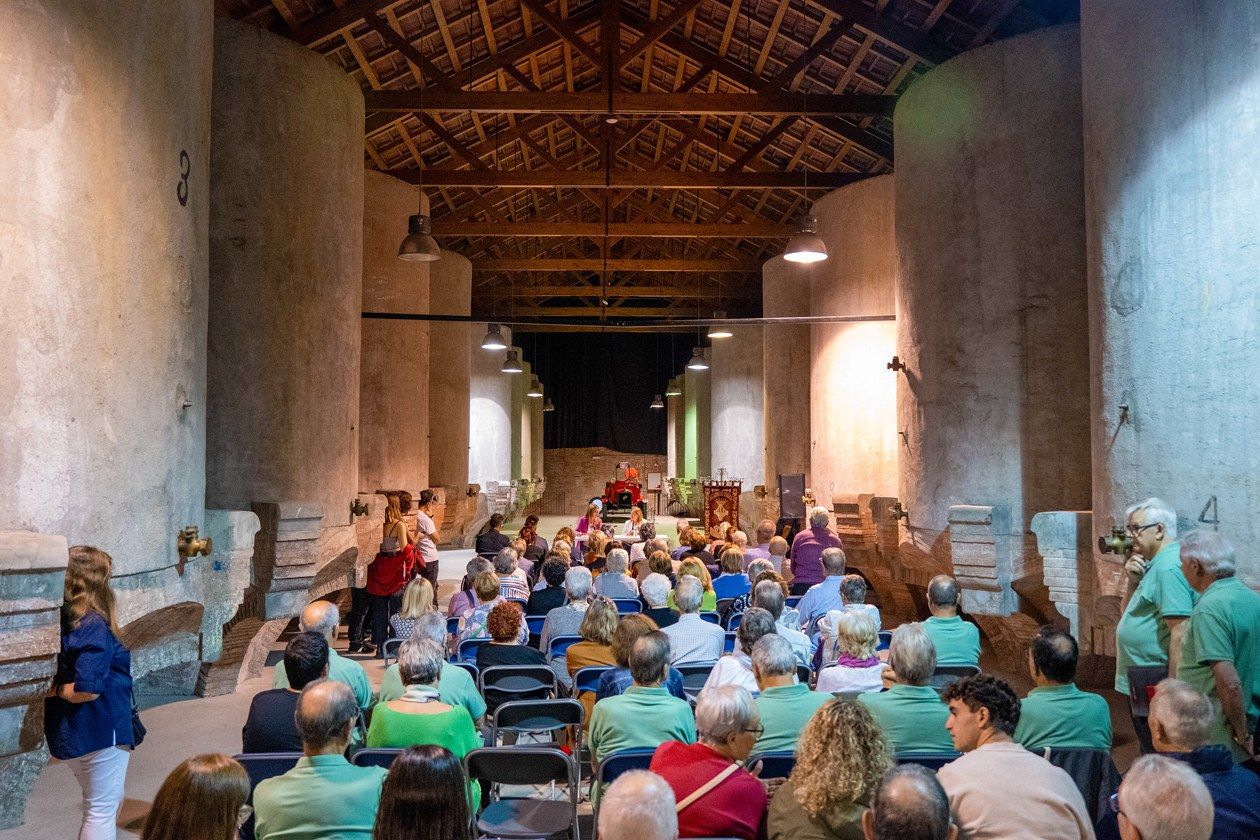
(622, 494)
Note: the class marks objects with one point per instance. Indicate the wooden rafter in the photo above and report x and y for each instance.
(632, 103)
(621, 179)
(644, 265)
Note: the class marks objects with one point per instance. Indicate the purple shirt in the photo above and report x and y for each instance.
(807, 551)
(756, 552)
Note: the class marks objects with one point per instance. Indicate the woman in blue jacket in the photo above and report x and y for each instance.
(87, 716)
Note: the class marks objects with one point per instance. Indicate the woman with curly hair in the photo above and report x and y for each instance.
(695, 568)
(840, 760)
(506, 646)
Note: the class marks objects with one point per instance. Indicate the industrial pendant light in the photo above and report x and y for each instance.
(717, 330)
(535, 389)
(548, 406)
(673, 391)
(494, 338)
(419, 245)
(697, 360)
(658, 402)
(806, 246)
(512, 363)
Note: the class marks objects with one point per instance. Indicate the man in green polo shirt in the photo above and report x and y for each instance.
(1221, 654)
(957, 642)
(1056, 713)
(1153, 623)
(785, 704)
(910, 712)
(322, 617)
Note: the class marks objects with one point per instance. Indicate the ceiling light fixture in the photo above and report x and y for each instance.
(419, 245)
(718, 330)
(806, 246)
(657, 402)
(697, 360)
(548, 405)
(673, 390)
(494, 338)
(512, 363)
(535, 389)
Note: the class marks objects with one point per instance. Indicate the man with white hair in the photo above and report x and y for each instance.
(785, 705)
(1221, 653)
(1163, 799)
(639, 805)
(322, 617)
(691, 638)
(765, 530)
(1151, 629)
(824, 595)
(807, 551)
(455, 686)
(614, 582)
(655, 591)
(911, 712)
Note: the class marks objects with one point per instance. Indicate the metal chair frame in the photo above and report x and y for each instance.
(513, 769)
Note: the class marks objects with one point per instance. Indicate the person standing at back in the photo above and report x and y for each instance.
(807, 549)
(87, 715)
(427, 539)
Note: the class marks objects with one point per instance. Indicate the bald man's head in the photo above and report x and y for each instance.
(321, 617)
(909, 804)
(325, 712)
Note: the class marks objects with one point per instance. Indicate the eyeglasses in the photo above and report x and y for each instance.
(758, 730)
(1113, 802)
(1140, 528)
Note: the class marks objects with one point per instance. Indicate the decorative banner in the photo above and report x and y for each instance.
(721, 504)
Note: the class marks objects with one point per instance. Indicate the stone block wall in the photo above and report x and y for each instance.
(575, 475)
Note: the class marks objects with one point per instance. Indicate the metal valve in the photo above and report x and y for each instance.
(189, 543)
(357, 508)
(896, 364)
(898, 512)
(1118, 542)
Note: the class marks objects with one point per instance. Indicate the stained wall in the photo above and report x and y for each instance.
(451, 352)
(785, 289)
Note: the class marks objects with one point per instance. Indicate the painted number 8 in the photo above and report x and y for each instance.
(181, 189)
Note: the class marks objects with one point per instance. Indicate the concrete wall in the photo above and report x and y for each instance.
(1172, 113)
(786, 361)
(286, 257)
(522, 418)
(103, 273)
(394, 365)
(853, 409)
(674, 428)
(451, 348)
(697, 422)
(991, 287)
(489, 413)
(578, 474)
(736, 394)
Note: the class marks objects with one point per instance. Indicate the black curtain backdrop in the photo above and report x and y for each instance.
(602, 385)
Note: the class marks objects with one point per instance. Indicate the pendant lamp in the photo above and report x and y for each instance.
(494, 338)
(658, 402)
(548, 405)
(697, 360)
(806, 246)
(535, 389)
(512, 363)
(673, 390)
(419, 245)
(717, 330)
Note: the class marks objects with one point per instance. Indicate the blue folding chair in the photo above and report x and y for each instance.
(734, 620)
(930, 760)
(613, 765)
(376, 757)
(626, 606)
(390, 650)
(885, 639)
(261, 766)
(470, 667)
(712, 618)
(468, 648)
(803, 673)
(524, 817)
(728, 645)
(694, 675)
(791, 602)
(559, 644)
(587, 679)
(452, 625)
(521, 602)
(774, 765)
(535, 624)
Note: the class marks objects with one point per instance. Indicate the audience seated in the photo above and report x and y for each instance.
(645, 714)
(506, 645)
(957, 642)
(417, 600)
(1056, 713)
(324, 795)
(420, 716)
(853, 591)
(455, 685)
(513, 582)
(201, 799)
(784, 704)
(716, 796)
(629, 629)
(823, 596)
(1220, 655)
(486, 590)
(808, 565)
(735, 668)
(638, 806)
(322, 617)
(567, 620)
(691, 567)
(684, 541)
(655, 593)
(857, 668)
(732, 583)
(597, 630)
(760, 551)
(424, 797)
(1163, 799)
(910, 712)
(768, 594)
(697, 551)
(615, 582)
(269, 726)
(691, 638)
(551, 594)
(491, 539)
(465, 599)
(909, 804)
(596, 556)
(841, 760)
(778, 555)
(998, 789)
(754, 571)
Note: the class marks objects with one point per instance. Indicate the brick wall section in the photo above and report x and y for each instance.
(575, 475)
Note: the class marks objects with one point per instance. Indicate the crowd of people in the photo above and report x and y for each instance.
(808, 678)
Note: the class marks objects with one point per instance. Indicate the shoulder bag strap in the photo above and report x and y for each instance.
(706, 787)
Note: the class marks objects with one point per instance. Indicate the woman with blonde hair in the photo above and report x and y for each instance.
(598, 626)
(633, 524)
(596, 551)
(841, 757)
(417, 600)
(202, 799)
(395, 526)
(857, 667)
(88, 715)
(695, 568)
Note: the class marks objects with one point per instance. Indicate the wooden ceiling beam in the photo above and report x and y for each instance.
(623, 179)
(658, 28)
(562, 28)
(595, 230)
(325, 26)
(592, 311)
(623, 265)
(409, 51)
(633, 103)
(903, 37)
(610, 293)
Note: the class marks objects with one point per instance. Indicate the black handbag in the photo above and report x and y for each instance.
(137, 726)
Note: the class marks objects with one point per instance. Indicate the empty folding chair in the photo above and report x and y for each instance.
(260, 766)
(376, 757)
(525, 817)
(504, 683)
(521, 717)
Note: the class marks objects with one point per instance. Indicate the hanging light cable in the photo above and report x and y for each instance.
(419, 245)
(806, 246)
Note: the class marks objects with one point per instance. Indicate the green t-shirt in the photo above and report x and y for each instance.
(785, 709)
(340, 669)
(640, 718)
(324, 797)
(957, 641)
(708, 601)
(1063, 716)
(455, 688)
(1225, 626)
(452, 729)
(1142, 634)
(912, 717)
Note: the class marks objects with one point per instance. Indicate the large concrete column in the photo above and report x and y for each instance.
(394, 361)
(536, 438)
(735, 389)
(1172, 113)
(286, 257)
(786, 362)
(993, 406)
(104, 209)
(697, 434)
(522, 418)
(451, 348)
(489, 415)
(675, 410)
(853, 408)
